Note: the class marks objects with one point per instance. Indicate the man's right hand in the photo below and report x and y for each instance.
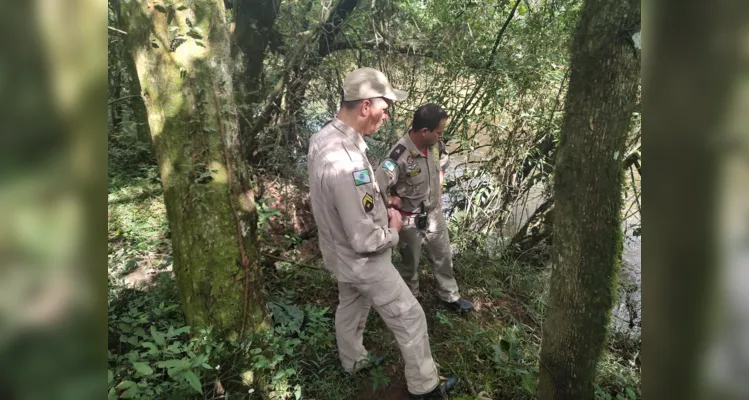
(395, 220)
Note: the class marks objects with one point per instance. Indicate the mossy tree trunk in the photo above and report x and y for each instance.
(588, 197)
(138, 107)
(182, 56)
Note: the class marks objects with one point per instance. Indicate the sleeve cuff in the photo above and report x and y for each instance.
(393, 237)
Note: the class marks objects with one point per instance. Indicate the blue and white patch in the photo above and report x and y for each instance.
(361, 177)
(389, 165)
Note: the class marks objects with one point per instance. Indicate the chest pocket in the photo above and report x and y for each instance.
(416, 185)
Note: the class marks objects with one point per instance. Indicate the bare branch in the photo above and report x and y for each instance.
(116, 30)
(122, 98)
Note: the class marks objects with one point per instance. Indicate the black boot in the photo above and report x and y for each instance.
(460, 305)
(440, 392)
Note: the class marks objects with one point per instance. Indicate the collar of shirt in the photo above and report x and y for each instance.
(351, 134)
(411, 147)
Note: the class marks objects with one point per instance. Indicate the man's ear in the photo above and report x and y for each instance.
(365, 106)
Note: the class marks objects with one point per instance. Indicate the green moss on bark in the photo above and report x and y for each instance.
(182, 58)
(588, 196)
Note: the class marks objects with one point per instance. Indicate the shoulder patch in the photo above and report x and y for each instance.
(389, 165)
(368, 202)
(361, 177)
(397, 151)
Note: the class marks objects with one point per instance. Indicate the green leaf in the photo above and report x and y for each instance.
(132, 340)
(130, 393)
(151, 347)
(110, 377)
(194, 381)
(631, 394)
(174, 363)
(528, 381)
(125, 385)
(124, 327)
(184, 329)
(141, 332)
(158, 337)
(143, 368)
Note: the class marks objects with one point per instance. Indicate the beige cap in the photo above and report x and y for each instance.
(367, 83)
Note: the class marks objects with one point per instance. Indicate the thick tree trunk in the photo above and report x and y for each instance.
(140, 114)
(253, 30)
(183, 61)
(138, 107)
(588, 185)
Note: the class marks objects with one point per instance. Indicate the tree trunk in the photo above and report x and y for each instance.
(253, 30)
(183, 62)
(588, 197)
(117, 93)
(140, 114)
(138, 107)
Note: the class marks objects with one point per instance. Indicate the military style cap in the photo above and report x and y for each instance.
(367, 83)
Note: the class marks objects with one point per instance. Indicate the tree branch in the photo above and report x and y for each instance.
(122, 98)
(461, 114)
(116, 30)
(381, 46)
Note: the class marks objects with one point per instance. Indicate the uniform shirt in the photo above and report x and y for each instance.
(351, 216)
(413, 176)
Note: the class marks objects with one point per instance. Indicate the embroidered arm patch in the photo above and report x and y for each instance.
(389, 165)
(361, 177)
(397, 151)
(368, 202)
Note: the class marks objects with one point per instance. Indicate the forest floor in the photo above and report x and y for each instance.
(494, 350)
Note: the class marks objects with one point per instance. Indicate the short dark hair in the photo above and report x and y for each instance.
(351, 104)
(428, 116)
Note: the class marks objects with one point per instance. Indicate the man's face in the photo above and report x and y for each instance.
(434, 136)
(375, 112)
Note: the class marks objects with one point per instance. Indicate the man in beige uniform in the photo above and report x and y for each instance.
(412, 173)
(357, 233)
